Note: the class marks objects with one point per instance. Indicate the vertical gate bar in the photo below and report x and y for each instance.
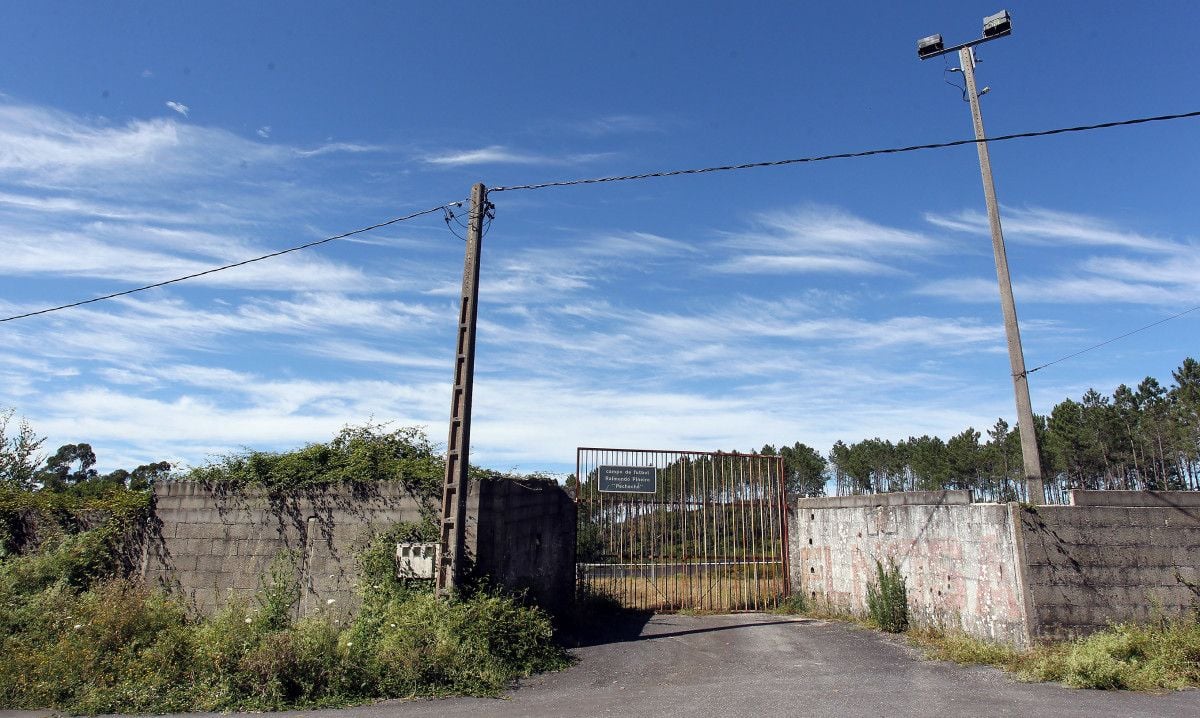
(711, 580)
(773, 477)
(751, 465)
(765, 533)
(717, 579)
(770, 533)
(733, 592)
(579, 515)
(785, 548)
(721, 478)
(704, 522)
(753, 543)
(739, 518)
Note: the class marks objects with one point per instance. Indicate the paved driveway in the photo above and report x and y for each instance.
(761, 664)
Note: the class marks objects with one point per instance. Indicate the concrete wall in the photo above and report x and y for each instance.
(959, 559)
(1106, 559)
(212, 544)
(521, 534)
(1003, 571)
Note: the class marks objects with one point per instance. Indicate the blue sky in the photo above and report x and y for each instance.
(846, 299)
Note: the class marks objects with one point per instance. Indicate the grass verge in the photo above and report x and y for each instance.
(1158, 657)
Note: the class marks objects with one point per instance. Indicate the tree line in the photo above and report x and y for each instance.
(1138, 438)
(69, 469)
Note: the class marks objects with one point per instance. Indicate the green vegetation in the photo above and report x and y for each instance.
(1164, 656)
(79, 634)
(887, 598)
(365, 454)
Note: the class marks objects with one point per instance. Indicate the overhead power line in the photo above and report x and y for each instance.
(343, 235)
(843, 155)
(1110, 341)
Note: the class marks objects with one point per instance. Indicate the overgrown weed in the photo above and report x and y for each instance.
(77, 637)
(1156, 657)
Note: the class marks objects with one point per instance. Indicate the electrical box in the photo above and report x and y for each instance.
(416, 560)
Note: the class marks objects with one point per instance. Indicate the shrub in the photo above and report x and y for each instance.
(887, 598)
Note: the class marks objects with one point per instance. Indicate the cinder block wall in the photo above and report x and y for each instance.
(522, 536)
(212, 544)
(1111, 556)
(959, 559)
(1002, 571)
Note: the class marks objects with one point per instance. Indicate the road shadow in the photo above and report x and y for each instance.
(713, 629)
(612, 626)
(627, 626)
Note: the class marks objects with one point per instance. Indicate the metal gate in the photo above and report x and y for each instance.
(673, 530)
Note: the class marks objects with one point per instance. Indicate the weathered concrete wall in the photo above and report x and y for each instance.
(521, 535)
(211, 544)
(214, 544)
(1108, 559)
(1003, 571)
(959, 559)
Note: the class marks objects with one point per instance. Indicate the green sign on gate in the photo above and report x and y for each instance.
(627, 479)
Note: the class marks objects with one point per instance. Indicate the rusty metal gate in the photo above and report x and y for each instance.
(675, 530)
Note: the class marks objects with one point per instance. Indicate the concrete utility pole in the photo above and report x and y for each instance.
(458, 446)
(1034, 488)
(995, 27)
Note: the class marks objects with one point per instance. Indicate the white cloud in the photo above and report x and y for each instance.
(795, 264)
(499, 154)
(178, 107)
(1042, 225)
(333, 147)
(264, 132)
(618, 124)
(816, 239)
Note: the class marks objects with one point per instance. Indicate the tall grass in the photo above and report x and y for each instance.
(82, 641)
(1161, 656)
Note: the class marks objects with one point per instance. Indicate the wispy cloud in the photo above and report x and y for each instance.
(178, 107)
(1042, 225)
(264, 132)
(619, 124)
(500, 154)
(1062, 290)
(332, 147)
(819, 239)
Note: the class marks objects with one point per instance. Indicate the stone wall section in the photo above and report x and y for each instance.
(1105, 559)
(1006, 572)
(959, 559)
(213, 545)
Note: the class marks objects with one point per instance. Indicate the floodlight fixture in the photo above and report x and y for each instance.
(929, 46)
(994, 26)
(997, 25)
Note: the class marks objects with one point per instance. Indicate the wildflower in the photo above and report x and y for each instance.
(78, 626)
(348, 644)
(330, 601)
(247, 619)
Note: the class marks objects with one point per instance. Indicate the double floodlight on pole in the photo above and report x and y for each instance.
(994, 26)
(997, 26)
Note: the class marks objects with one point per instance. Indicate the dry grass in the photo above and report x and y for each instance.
(712, 592)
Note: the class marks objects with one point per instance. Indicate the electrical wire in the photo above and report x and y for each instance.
(843, 155)
(1110, 341)
(222, 268)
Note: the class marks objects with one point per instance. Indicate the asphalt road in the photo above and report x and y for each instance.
(762, 664)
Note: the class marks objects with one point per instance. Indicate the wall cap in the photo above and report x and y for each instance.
(900, 498)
